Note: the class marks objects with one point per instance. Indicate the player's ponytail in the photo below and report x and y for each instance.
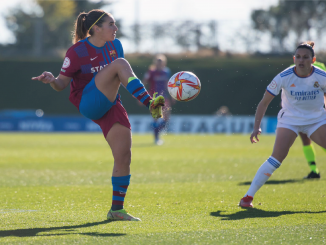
(311, 43)
(81, 31)
(86, 21)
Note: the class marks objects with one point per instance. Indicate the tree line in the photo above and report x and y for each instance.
(46, 31)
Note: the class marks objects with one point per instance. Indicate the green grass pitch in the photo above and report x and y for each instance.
(56, 189)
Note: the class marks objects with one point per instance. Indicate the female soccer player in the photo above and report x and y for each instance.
(308, 148)
(95, 67)
(158, 76)
(303, 90)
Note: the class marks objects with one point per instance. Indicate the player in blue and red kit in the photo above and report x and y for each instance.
(157, 77)
(95, 67)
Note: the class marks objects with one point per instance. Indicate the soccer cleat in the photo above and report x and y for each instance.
(159, 142)
(121, 215)
(246, 202)
(155, 106)
(312, 175)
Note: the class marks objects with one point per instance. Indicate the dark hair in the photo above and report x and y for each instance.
(85, 21)
(308, 45)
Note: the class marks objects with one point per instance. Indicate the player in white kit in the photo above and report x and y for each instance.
(303, 89)
(308, 148)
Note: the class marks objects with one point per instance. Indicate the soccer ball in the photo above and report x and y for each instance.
(184, 86)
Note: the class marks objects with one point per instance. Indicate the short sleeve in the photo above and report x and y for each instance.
(119, 48)
(70, 64)
(275, 86)
(122, 53)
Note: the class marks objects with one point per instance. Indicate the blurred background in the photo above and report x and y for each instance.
(235, 48)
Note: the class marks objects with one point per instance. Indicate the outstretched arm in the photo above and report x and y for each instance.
(58, 84)
(260, 112)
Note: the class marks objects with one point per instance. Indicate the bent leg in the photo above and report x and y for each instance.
(323, 147)
(109, 78)
(319, 136)
(284, 140)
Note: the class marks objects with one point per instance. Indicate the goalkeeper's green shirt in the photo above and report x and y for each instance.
(320, 65)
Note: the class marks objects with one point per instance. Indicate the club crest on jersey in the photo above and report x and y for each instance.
(316, 85)
(66, 63)
(113, 54)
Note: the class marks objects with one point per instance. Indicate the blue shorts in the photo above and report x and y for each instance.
(94, 104)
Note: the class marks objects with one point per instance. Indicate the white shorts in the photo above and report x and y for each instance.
(306, 129)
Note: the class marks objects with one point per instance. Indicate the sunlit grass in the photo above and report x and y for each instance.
(56, 188)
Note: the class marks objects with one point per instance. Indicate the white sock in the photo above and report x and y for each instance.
(264, 172)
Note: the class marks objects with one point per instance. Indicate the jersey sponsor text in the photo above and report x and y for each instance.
(97, 68)
(305, 95)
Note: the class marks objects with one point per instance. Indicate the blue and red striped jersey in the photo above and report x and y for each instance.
(84, 60)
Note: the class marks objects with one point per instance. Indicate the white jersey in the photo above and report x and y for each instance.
(302, 97)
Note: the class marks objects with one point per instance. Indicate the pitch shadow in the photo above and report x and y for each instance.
(257, 213)
(276, 182)
(30, 232)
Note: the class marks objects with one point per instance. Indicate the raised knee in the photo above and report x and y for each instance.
(121, 62)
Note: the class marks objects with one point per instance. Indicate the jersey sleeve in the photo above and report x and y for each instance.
(119, 48)
(122, 53)
(70, 64)
(275, 86)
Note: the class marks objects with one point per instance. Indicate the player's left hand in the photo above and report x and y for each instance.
(254, 135)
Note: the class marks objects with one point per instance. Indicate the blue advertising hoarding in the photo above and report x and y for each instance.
(140, 124)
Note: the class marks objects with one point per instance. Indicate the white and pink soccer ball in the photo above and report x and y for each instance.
(184, 86)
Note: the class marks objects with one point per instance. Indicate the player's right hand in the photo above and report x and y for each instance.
(46, 77)
(254, 135)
